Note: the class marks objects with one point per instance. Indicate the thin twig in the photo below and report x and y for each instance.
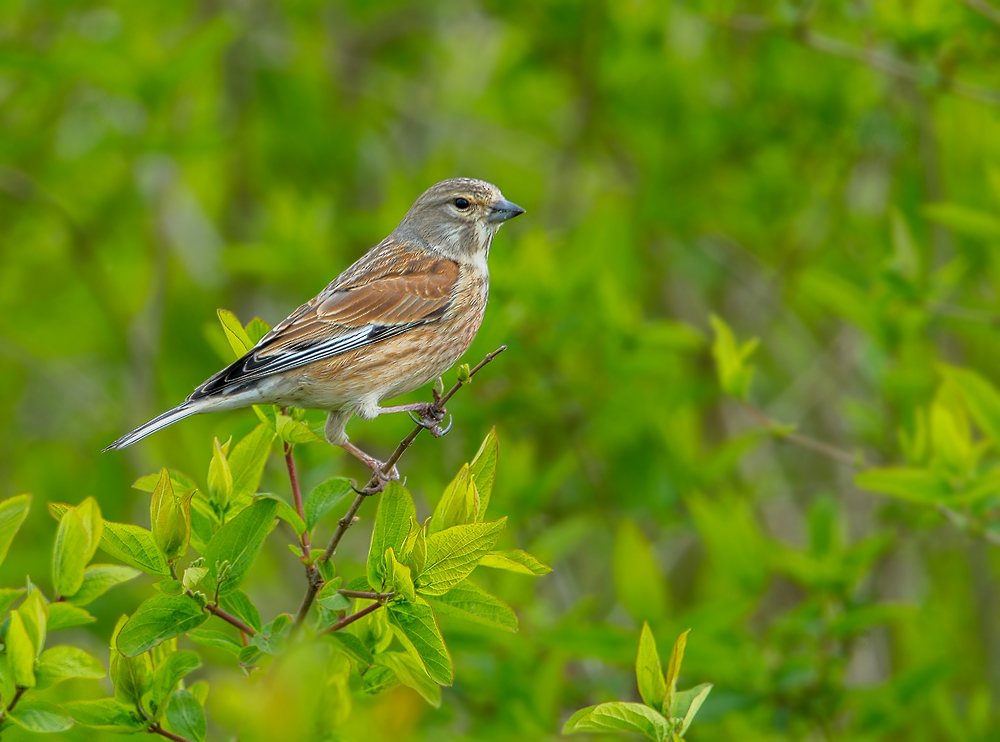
(352, 618)
(377, 482)
(17, 697)
(825, 449)
(985, 10)
(157, 729)
(294, 477)
(231, 619)
(875, 60)
(957, 519)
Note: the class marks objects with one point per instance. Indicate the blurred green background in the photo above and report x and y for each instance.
(824, 176)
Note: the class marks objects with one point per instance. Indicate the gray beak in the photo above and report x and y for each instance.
(503, 210)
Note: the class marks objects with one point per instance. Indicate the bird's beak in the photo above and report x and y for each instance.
(503, 210)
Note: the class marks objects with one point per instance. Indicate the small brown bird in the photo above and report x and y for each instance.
(397, 319)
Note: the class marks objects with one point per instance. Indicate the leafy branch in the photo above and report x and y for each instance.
(876, 60)
(377, 483)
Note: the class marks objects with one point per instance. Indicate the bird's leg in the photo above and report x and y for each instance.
(371, 462)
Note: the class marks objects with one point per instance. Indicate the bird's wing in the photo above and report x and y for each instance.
(387, 299)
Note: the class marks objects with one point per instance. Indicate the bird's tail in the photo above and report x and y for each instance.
(184, 409)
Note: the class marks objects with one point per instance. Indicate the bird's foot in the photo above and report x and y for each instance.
(380, 476)
(431, 416)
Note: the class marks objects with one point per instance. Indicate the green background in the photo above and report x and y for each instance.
(823, 176)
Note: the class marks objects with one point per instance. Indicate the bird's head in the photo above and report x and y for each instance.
(458, 217)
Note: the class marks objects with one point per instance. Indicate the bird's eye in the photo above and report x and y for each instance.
(462, 203)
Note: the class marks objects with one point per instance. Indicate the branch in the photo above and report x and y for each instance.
(875, 60)
(376, 483)
(352, 618)
(157, 729)
(825, 449)
(984, 9)
(957, 519)
(231, 619)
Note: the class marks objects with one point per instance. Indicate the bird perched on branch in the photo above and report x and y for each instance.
(394, 321)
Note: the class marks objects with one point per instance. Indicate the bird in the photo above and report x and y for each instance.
(394, 321)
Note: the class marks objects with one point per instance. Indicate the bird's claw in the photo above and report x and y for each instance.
(431, 419)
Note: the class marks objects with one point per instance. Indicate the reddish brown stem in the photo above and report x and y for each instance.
(157, 729)
(294, 477)
(352, 618)
(231, 619)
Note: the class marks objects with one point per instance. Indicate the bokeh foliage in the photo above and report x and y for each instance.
(823, 177)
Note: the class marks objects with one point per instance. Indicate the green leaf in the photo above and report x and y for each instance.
(414, 550)
(159, 617)
(98, 579)
(323, 498)
(397, 576)
(35, 615)
(220, 476)
(515, 560)
(964, 220)
(77, 539)
(185, 716)
(484, 470)
(688, 702)
(199, 690)
(213, 638)
(105, 713)
(13, 511)
(8, 596)
(21, 652)
(459, 504)
(330, 598)
(620, 717)
(294, 432)
(915, 485)
(417, 623)
(65, 662)
(735, 374)
(674, 669)
(981, 398)
(392, 523)
(170, 672)
(170, 517)
(453, 553)
(238, 543)
(648, 672)
(248, 459)
(469, 601)
(181, 482)
(238, 604)
(639, 583)
(192, 577)
(66, 616)
(132, 677)
(286, 513)
(353, 647)
(38, 716)
(134, 546)
(257, 329)
(410, 673)
(235, 334)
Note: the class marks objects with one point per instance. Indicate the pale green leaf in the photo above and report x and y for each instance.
(639, 583)
(410, 673)
(64, 663)
(13, 511)
(98, 579)
(469, 601)
(648, 672)
(106, 713)
(159, 617)
(484, 470)
(66, 616)
(417, 623)
(453, 553)
(39, 716)
(185, 716)
(323, 498)
(515, 560)
(20, 651)
(238, 543)
(392, 524)
(620, 717)
(134, 546)
(688, 702)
